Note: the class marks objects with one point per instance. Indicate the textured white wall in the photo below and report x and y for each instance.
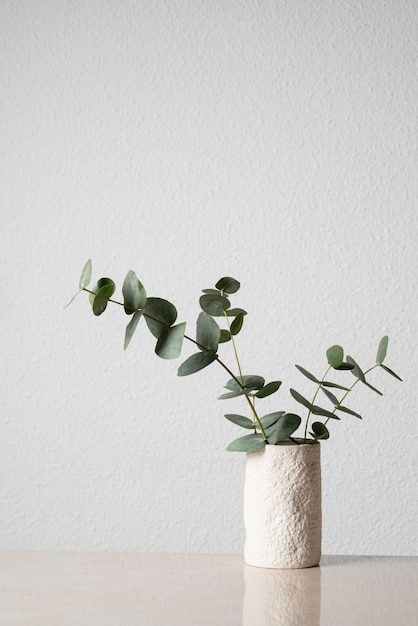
(274, 141)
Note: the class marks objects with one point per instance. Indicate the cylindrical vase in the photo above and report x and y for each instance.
(282, 506)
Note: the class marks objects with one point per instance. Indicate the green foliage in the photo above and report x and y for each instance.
(275, 428)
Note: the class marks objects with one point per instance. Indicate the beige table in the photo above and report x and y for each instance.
(127, 589)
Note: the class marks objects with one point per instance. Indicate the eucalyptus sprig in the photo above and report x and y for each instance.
(277, 428)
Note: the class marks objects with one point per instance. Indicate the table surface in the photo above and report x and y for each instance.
(156, 589)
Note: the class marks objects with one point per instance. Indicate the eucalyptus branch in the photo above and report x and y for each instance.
(358, 379)
(313, 400)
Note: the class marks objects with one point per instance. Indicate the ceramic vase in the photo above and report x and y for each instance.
(282, 506)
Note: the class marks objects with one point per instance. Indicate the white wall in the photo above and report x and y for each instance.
(274, 141)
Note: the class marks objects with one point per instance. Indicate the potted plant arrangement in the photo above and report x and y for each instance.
(282, 499)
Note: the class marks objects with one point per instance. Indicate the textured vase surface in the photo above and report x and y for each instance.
(282, 506)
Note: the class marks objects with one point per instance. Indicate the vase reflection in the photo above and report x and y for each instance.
(282, 597)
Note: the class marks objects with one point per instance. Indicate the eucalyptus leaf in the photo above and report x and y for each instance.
(102, 282)
(72, 299)
(134, 294)
(237, 324)
(373, 388)
(268, 389)
(335, 356)
(305, 372)
(320, 431)
(170, 342)
(299, 398)
(344, 409)
(240, 420)
(318, 410)
(159, 315)
(235, 312)
(85, 277)
(214, 305)
(284, 427)
(213, 292)
(267, 421)
(248, 443)
(102, 297)
(228, 285)
(345, 366)
(327, 383)
(225, 336)
(131, 328)
(356, 371)
(250, 382)
(382, 349)
(234, 394)
(391, 372)
(196, 362)
(330, 396)
(208, 332)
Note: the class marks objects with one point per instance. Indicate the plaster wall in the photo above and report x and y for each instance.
(275, 142)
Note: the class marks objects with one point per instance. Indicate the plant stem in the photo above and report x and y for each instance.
(237, 380)
(350, 389)
(313, 400)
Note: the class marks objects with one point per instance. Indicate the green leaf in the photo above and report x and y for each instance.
(373, 388)
(208, 332)
(356, 371)
(320, 431)
(85, 277)
(213, 292)
(331, 396)
(134, 294)
(131, 327)
(308, 374)
(102, 282)
(335, 356)
(240, 420)
(235, 312)
(196, 362)
(344, 409)
(106, 289)
(268, 389)
(345, 366)
(159, 315)
(299, 398)
(214, 305)
(284, 427)
(250, 382)
(234, 394)
(170, 342)
(237, 324)
(391, 372)
(318, 410)
(267, 421)
(228, 285)
(248, 443)
(225, 336)
(382, 349)
(326, 383)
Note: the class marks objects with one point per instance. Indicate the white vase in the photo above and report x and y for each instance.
(282, 506)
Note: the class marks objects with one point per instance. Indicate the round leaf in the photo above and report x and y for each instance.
(267, 421)
(159, 315)
(284, 427)
(214, 305)
(250, 382)
(134, 295)
(170, 342)
(320, 430)
(103, 291)
(228, 285)
(208, 332)
(196, 362)
(237, 324)
(335, 356)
